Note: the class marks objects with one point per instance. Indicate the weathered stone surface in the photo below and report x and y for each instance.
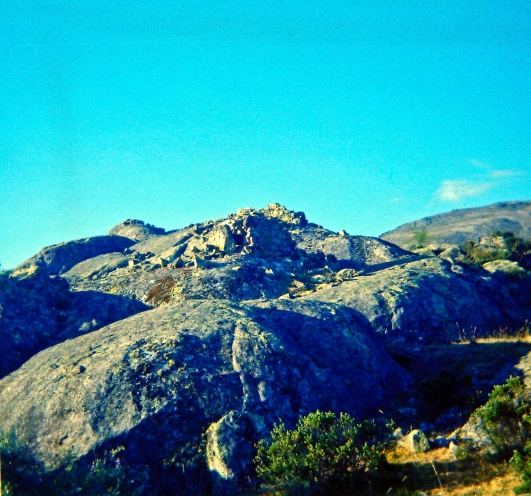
(504, 267)
(40, 311)
(136, 230)
(97, 266)
(277, 211)
(426, 300)
(253, 254)
(156, 381)
(229, 450)
(159, 244)
(60, 258)
(222, 356)
(349, 251)
(221, 239)
(415, 442)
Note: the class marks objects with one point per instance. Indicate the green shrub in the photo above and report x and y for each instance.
(420, 238)
(511, 248)
(507, 419)
(323, 454)
(507, 415)
(478, 256)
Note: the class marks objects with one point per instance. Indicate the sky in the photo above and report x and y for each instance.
(364, 115)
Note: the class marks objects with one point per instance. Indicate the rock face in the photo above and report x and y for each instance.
(252, 254)
(155, 382)
(415, 442)
(185, 347)
(63, 256)
(459, 226)
(428, 300)
(38, 311)
(136, 230)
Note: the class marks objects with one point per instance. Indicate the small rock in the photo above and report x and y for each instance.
(415, 442)
(504, 266)
(398, 433)
(452, 448)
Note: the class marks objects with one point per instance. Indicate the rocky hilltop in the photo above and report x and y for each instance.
(458, 226)
(180, 349)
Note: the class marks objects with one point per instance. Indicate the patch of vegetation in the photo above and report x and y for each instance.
(509, 247)
(161, 292)
(507, 416)
(507, 420)
(420, 238)
(324, 454)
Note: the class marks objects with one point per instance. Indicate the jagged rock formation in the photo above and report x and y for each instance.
(252, 254)
(156, 381)
(251, 318)
(459, 226)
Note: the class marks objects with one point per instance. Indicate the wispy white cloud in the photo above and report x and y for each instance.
(478, 183)
(397, 199)
(502, 173)
(495, 173)
(455, 190)
(479, 163)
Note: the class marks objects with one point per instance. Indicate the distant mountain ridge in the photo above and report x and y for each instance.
(458, 226)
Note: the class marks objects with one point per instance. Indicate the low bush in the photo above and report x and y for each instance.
(507, 419)
(161, 292)
(324, 454)
(510, 247)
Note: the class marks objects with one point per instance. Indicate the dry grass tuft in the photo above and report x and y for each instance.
(439, 472)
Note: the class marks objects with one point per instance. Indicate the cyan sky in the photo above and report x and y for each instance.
(365, 115)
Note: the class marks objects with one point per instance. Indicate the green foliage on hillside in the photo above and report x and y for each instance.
(507, 419)
(510, 247)
(324, 454)
(420, 238)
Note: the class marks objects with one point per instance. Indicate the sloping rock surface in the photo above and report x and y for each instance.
(251, 318)
(430, 300)
(39, 311)
(63, 256)
(458, 226)
(136, 230)
(156, 381)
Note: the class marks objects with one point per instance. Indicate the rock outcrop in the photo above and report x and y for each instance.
(429, 300)
(39, 311)
(136, 230)
(252, 254)
(155, 382)
(181, 349)
(63, 256)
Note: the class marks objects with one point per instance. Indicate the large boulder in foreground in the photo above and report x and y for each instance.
(154, 383)
(429, 300)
